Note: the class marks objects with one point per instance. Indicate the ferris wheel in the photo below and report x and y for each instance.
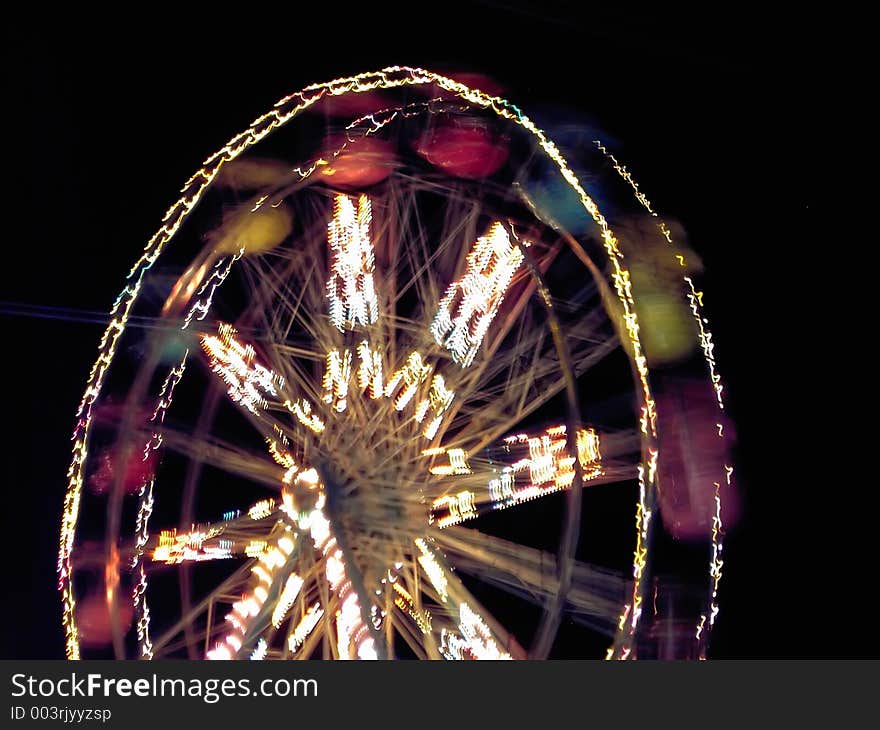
(378, 388)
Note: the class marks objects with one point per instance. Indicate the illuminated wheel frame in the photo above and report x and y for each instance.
(358, 550)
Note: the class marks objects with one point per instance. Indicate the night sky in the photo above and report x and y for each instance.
(101, 128)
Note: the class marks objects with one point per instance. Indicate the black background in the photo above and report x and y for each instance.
(717, 112)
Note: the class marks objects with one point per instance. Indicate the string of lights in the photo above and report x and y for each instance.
(695, 299)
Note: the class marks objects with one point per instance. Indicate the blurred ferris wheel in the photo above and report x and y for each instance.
(404, 363)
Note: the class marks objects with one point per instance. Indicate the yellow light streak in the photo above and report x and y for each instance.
(457, 461)
(437, 403)
(370, 370)
(337, 373)
(281, 455)
(262, 509)
(405, 381)
(256, 548)
(589, 454)
(433, 569)
(422, 621)
(404, 601)
(302, 409)
(460, 507)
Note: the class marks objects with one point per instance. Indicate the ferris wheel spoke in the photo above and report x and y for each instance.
(402, 206)
(460, 228)
(301, 385)
(238, 579)
(356, 636)
(527, 350)
(399, 623)
(428, 266)
(510, 383)
(264, 301)
(254, 466)
(510, 406)
(408, 586)
(293, 291)
(596, 593)
(309, 617)
(283, 353)
(478, 632)
(460, 219)
(408, 616)
(296, 616)
(273, 586)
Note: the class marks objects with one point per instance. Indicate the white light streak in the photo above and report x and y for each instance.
(370, 370)
(477, 295)
(247, 380)
(350, 288)
(285, 600)
(304, 627)
(475, 641)
(433, 569)
(259, 652)
(202, 306)
(337, 373)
